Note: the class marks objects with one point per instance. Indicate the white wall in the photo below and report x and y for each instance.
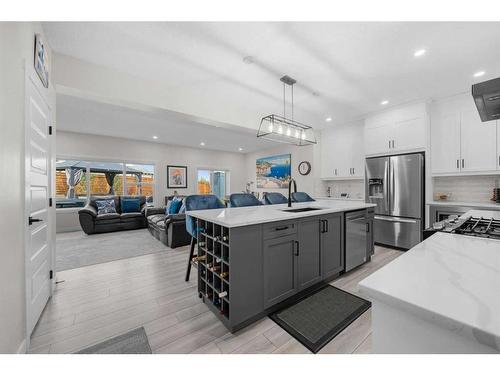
(16, 44)
(86, 146)
(304, 153)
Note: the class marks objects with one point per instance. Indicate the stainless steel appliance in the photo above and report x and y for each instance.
(396, 185)
(356, 232)
(485, 227)
(487, 98)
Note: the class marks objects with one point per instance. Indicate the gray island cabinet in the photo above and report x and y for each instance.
(250, 268)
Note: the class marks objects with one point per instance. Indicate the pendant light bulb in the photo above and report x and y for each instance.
(297, 134)
(271, 127)
(280, 129)
(288, 132)
(303, 136)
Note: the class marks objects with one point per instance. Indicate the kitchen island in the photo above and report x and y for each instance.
(253, 260)
(442, 296)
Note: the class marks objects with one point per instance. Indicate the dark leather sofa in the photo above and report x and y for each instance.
(92, 223)
(169, 229)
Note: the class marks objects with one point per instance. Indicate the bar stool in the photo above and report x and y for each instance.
(243, 200)
(194, 203)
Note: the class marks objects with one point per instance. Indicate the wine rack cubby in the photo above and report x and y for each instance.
(214, 268)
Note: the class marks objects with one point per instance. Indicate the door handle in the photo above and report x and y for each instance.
(31, 220)
(297, 245)
(395, 220)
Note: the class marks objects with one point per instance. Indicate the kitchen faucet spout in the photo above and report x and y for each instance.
(290, 191)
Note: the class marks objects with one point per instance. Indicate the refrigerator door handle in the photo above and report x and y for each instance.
(396, 219)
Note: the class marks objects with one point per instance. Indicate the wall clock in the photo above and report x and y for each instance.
(304, 168)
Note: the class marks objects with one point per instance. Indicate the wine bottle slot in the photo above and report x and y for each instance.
(222, 294)
(224, 274)
(199, 258)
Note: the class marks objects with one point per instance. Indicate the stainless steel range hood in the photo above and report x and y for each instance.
(487, 97)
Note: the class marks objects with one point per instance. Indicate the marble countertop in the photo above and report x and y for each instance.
(449, 279)
(466, 204)
(343, 199)
(241, 216)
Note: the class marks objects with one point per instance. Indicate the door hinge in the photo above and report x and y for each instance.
(51, 274)
(50, 202)
(50, 129)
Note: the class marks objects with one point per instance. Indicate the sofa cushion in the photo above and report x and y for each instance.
(109, 216)
(174, 206)
(105, 206)
(129, 205)
(130, 215)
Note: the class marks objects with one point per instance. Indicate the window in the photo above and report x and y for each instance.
(77, 180)
(213, 182)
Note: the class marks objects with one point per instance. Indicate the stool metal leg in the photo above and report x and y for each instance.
(191, 255)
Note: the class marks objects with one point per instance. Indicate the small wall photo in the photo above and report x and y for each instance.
(176, 177)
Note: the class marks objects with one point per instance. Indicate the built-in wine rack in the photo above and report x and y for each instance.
(214, 267)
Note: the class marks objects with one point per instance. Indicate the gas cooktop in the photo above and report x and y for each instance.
(479, 227)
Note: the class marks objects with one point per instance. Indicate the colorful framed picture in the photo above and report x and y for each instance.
(41, 61)
(176, 177)
(274, 172)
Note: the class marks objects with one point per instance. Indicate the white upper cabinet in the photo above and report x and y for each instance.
(342, 155)
(460, 142)
(398, 130)
(445, 143)
(478, 143)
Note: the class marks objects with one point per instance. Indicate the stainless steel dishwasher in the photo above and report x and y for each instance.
(356, 237)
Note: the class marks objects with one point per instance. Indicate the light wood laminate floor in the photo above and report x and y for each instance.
(98, 302)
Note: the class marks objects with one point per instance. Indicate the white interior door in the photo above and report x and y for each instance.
(37, 227)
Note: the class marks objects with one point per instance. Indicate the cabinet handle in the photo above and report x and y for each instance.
(499, 160)
(281, 228)
(463, 163)
(368, 227)
(353, 171)
(458, 164)
(323, 227)
(327, 225)
(296, 248)
(389, 144)
(393, 143)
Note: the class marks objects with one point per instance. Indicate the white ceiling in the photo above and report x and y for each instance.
(352, 66)
(88, 116)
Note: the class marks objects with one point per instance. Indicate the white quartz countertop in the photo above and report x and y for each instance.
(343, 199)
(466, 204)
(241, 216)
(449, 279)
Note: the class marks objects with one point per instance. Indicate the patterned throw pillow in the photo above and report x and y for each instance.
(175, 206)
(105, 206)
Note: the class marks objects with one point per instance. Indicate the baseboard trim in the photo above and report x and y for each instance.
(22, 348)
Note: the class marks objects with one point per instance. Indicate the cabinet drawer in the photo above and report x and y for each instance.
(279, 229)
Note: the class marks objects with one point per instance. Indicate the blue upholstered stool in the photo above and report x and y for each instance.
(275, 198)
(243, 200)
(194, 203)
(300, 196)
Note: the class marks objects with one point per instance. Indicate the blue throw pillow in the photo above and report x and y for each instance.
(183, 207)
(131, 205)
(175, 206)
(105, 206)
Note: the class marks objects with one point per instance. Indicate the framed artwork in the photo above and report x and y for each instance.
(176, 177)
(274, 172)
(41, 61)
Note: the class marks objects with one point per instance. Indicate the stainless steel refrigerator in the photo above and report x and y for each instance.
(396, 185)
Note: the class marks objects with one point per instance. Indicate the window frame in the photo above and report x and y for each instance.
(227, 179)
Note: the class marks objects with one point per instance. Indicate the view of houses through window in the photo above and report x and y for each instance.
(77, 180)
(213, 182)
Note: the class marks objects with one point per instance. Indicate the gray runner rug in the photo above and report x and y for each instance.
(133, 342)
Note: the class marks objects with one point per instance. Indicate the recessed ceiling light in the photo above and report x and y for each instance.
(240, 149)
(419, 52)
(384, 102)
(479, 74)
(155, 137)
(328, 119)
(202, 143)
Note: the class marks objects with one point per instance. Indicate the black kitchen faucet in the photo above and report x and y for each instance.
(290, 191)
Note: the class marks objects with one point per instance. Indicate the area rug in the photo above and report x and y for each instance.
(133, 342)
(316, 319)
(76, 249)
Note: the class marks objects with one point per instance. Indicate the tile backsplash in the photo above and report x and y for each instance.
(467, 188)
(355, 188)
